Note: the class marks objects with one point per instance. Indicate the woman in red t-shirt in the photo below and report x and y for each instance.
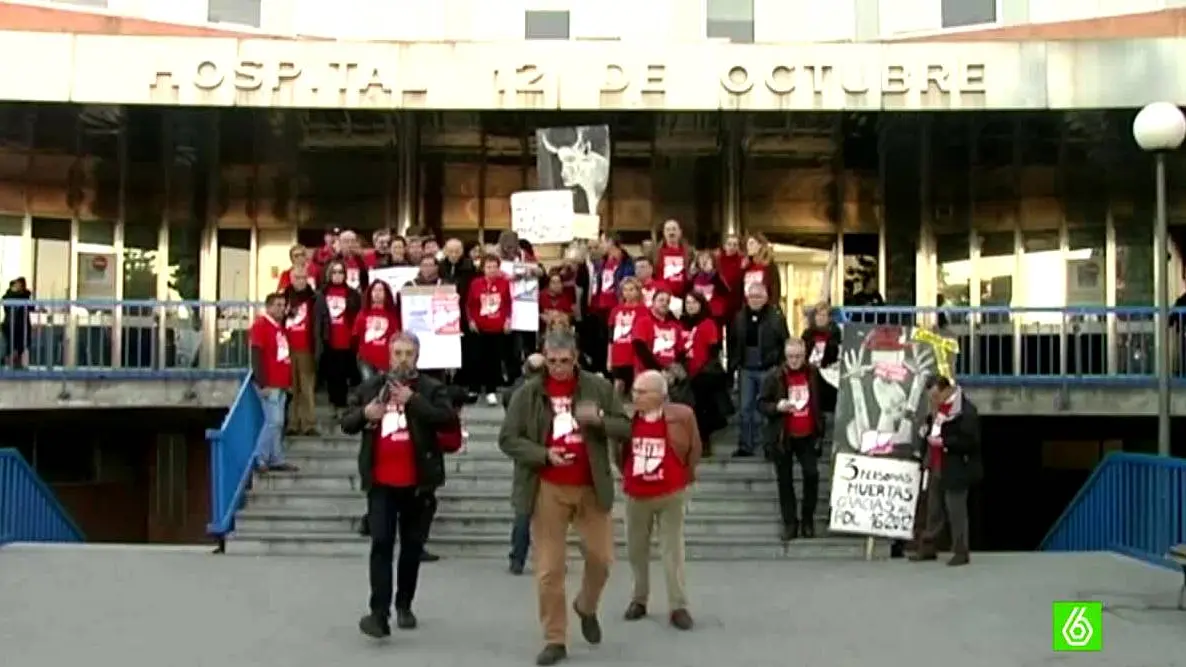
(657, 337)
(708, 282)
(376, 323)
(334, 314)
(702, 354)
(488, 308)
(554, 298)
(729, 259)
(673, 260)
(621, 322)
(758, 267)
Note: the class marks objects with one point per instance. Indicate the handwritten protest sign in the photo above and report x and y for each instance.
(434, 315)
(875, 496)
(543, 216)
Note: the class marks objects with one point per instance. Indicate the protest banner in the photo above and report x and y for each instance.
(542, 216)
(879, 409)
(524, 295)
(433, 314)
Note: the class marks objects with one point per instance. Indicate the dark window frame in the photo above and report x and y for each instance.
(543, 22)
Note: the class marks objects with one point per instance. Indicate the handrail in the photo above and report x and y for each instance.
(232, 450)
(29, 510)
(1133, 504)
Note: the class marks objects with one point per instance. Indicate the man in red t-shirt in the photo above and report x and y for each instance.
(271, 371)
(562, 430)
(658, 463)
(789, 399)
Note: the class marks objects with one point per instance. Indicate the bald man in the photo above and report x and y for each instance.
(350, 254)
(658, 463)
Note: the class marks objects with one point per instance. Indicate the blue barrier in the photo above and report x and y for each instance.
(29, 510)
(232, 449)
(1075, 345)
(95, 339)
(1133, 504)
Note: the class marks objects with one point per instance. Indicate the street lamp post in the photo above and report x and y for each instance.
(1159, 128)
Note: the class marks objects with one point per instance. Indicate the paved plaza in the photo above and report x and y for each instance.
(132, 607)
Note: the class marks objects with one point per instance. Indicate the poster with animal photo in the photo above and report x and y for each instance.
(577, 159)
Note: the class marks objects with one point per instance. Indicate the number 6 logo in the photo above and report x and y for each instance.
(1077, 631)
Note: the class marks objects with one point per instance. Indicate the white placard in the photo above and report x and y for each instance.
(434, 315)
(395, 276)
(875, 495)
(586, 226)
(542, 216)
(524, 295)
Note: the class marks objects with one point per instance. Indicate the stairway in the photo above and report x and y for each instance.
(733, 512)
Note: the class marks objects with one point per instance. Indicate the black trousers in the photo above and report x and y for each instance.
(805, 450)
(594, 334)
(340, 370)
(392, 512)
(523, 345)
(494, 360)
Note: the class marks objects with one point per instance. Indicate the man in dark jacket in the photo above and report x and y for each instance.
(952, 441)
(521, 531)
(790, 401)
(761, 332)
(400, 465)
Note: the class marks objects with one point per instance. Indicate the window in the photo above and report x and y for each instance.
(51, 258)
(960, 13)
(730, 19)
(242, 12)
(546, 25)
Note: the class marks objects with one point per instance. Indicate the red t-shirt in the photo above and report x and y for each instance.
(312, 274)
(698, 340)
(621, 333)
(819, 345)
(489, 303)
(298, 325)
(607, 286)
(754, 273)
(341, 323)
(395, 456)
(566, 435)
(549, 301)
(935, 437)
(671, 263)
(663, 338)
(272, 341)
(373, 330)
(354, 267)
(651, 468)
(729, 268)
(649, 287)
(717, 300)
(799, 422)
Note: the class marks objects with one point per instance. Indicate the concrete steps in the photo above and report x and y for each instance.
(732, 514)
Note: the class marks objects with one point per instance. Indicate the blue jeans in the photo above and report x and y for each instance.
(750, 433)
(269, 449)
(520, 538)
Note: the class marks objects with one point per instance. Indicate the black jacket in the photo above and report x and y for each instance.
(429, 409)
(460, 274)
(772, 338)
(827, 393)
(962, 465)
(321, 314)
(774, 389)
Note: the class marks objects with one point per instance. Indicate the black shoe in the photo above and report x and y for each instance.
(374, 625)
(426, 557)
(590, 626)
(635, 611)
(405, 619)
(516, 567)
(790, 531)
(742, 454)
(807, 529)
(552, 654)
(897, 549)
(364, 526)
(681, 619)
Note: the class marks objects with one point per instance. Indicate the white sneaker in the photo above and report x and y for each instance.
(491, 400)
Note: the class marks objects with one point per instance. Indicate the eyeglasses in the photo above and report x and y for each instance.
(559, 361)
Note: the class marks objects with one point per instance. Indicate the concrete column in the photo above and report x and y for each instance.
(732, 136)
(408, 167)
(867, 21)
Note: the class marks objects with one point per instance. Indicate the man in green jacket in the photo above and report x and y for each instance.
(562, 430)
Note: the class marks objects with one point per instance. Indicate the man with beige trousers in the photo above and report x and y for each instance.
(658, 464)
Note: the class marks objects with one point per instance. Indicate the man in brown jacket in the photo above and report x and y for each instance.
(658, 464)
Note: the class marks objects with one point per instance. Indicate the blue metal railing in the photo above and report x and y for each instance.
(1072, 345)
(1133, 504)
(124, 339)
(232, 449)
(29, 510)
